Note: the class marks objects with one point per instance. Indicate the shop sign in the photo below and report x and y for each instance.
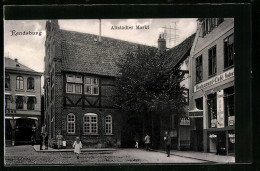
(220, 109)
(212, 136)
(8, 111)
(219, 78)
(231, 120)
(196, 114)
(213, 123)
(185, 121)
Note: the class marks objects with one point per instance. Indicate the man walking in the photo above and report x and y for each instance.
(41, 141)
(147, 141)
(167, 140)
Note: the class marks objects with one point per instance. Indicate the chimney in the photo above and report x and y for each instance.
(161, 43)
(16, 60)
(99, 38)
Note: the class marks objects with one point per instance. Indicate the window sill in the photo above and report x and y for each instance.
(213, 75)
(90, 134)
(109, 134)
(19, 90)
(73, 93)
(91, 94)
(227, 68)
(31, 91)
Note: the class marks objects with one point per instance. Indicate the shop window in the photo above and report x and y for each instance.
(74, 84)
(8, 101)
(212, 61)
(19, 102)
(229, 51)
(31, 103)
(90, 125)
(199, 69)
(229, 99)
(71, 123)
(7, 81)
(19, 82)
(30, 83)
(91, 86)
(108, 124)
(199, 103)
(212, 110)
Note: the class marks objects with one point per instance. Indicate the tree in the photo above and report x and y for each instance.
(148, 85)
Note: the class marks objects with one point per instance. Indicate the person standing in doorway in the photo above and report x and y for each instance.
(167, 140)
(77, 147)
(41, 141)
(46, 141)
(147, 141)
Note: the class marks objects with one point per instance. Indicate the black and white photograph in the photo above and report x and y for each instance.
(119, 91)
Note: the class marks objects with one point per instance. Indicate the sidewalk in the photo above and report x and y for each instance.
(37, 149)
(202, 156)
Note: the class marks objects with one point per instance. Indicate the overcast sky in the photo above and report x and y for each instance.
(29, 49)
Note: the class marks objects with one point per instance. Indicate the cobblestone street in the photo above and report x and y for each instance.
(26, 155)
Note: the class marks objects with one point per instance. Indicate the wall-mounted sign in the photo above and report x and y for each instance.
(213, 123)
(231, 121)
(212, 136)
(184, 121)
(196, 114)
(220, 109)
(219, 78)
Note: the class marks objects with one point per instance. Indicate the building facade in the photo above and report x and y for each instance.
(22, 102)
(79, 83)
(211, 106)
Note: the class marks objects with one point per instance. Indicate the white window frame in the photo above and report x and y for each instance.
(73, 80)
(92, 85)
(88, 123)
(108, 124)
(72, 122)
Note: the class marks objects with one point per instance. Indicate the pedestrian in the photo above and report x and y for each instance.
(136, 141)
(46, 139)
(167, 140)
(77, 147)
(41, 141)
(147, 141)
(32, 140)
(59, 139)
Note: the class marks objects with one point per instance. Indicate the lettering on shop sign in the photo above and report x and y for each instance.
(219, 78)
(220, 109)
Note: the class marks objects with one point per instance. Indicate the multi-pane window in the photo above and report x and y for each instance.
(19, 82)
(74, 84)
(212, 61)
(30, 83)
(229, 98)
(8, 101)
(90, 123)
(229, 51)
(71, 123)
(208, 24)
(108, 124)
(199, 69)
(19, 102)
(7, 81)
(212, 107)
(31, 101)
(91, 86)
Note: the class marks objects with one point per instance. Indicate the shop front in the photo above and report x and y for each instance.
(221, 142)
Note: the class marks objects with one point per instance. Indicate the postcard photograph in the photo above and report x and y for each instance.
(119, 91)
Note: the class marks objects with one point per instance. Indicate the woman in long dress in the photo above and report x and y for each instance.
(59, 139)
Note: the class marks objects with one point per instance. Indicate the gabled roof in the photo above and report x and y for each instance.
(180, 52)
(12, 65)
(81, 52)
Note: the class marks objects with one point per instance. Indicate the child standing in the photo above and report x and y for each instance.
(77, 147)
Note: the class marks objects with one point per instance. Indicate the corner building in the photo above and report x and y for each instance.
(211, 107)
(79, 84)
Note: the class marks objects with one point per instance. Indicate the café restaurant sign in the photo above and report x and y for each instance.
(217, 79)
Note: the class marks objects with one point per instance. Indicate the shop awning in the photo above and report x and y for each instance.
(195, 113)
(9, 117)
